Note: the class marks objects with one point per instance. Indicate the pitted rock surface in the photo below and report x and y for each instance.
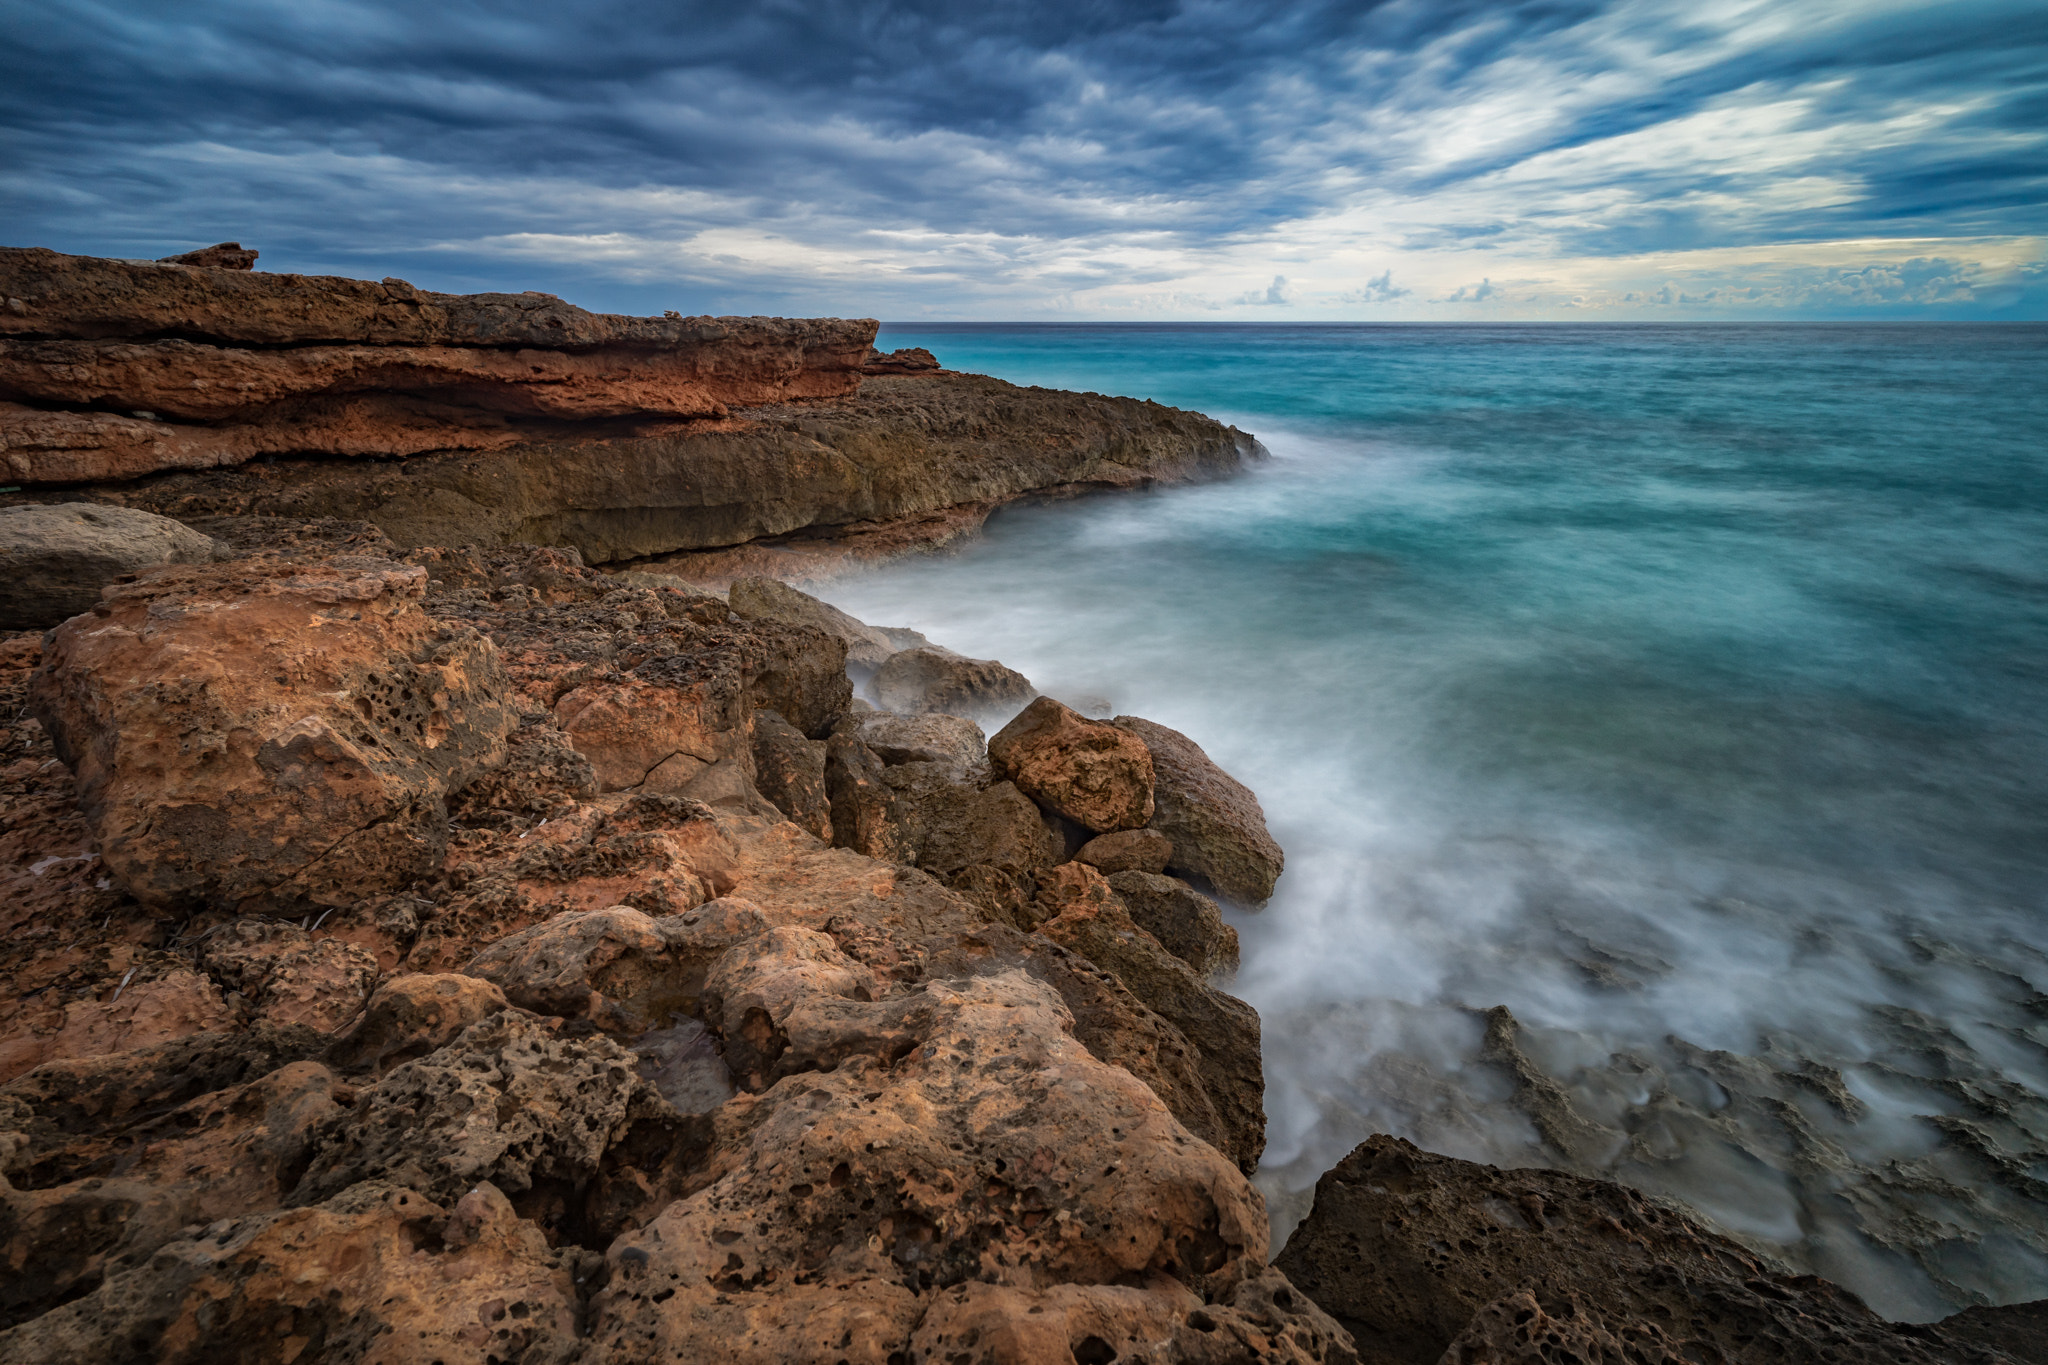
(270, 733)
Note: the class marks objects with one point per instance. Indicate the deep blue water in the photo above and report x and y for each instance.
(1683, 689)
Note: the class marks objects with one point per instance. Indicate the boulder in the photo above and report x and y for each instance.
(270, 734)
(955, 742)
(790, 771)
(934, 679)
(1187, 923)
(511, 1100)
(1092, 772)
(1089, 918)
(624, 970)
(412, 1015)
(766, 599)
(998, 826)
(56, 557)
(909, 1152)
(1215, 822)
(1127, 850)
(868, 816)
(1546, 1262)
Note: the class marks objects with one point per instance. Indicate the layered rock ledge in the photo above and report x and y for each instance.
(751, 444)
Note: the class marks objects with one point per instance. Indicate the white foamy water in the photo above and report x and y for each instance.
(1725, 781)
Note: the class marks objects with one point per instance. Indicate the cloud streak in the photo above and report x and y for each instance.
(1064, 159)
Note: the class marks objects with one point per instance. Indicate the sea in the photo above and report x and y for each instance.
(1655, 719)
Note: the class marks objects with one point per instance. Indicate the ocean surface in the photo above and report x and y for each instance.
(1659, 712)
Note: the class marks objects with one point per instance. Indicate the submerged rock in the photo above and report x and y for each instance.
(55, 558)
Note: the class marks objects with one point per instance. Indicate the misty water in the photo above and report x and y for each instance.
(1682, 690)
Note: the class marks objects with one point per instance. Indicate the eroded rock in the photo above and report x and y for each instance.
(1425, 1258)
(1187, 923)
(1129, 850)
(268, 733)
(1215, 822)
(1093, 773)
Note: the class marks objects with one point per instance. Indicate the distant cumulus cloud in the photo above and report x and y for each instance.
(1062, 157)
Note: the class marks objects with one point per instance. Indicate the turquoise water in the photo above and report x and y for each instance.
(1682, 689)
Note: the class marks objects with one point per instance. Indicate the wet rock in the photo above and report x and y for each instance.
(789, 770)
(1128, 850)
(376, 1273)
(933, 737)
(868, 816)
(932, 679)
(1093, 773)
(766, 599)
(270, 734)
(1425, 1258)
(1187, 923)
(2020, 1330)
(1091, 920)
(1216, 825)
(56, 557)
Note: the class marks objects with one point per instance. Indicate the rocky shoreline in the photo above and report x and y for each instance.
(422, 945)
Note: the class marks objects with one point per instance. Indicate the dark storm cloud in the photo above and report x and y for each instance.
(745, 152)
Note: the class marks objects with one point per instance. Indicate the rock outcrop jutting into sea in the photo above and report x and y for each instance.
(448, 952)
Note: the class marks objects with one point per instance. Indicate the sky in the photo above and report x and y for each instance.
(1156, 159)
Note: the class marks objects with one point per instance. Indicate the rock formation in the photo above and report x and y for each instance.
(529, 420)
(573, 1048)
(1429, 1259)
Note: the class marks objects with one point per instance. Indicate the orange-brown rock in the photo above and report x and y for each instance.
(1086, 915)
(1087, 770)
(270, 733)
(1128, 850)
(921, 1143)
(856, 1119)
(246, 363)
(378, 1273)
(1215, 822)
